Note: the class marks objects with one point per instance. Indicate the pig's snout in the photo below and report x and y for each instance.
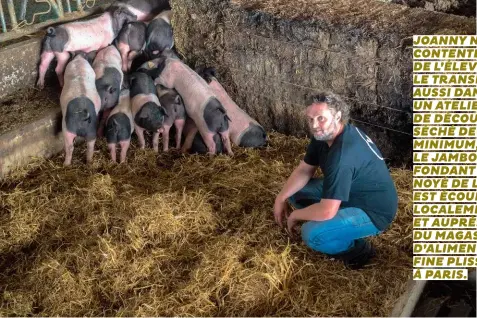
(254, 137)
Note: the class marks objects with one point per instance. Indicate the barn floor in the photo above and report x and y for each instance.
(179, 235)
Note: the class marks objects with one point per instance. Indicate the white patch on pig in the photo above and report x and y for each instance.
(89, 35)
(107, 57)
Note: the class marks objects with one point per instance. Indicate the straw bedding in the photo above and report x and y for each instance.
(182, 235)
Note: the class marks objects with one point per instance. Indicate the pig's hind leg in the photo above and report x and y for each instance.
(155, 141)
(189, 139)
(62, 59)
(90, 150)
(140, 136)
(46, 58)
(179, 124)
(124, 149)
(225, 135)
(112, 151)
(210, 143)
(69, 139)
(165, 138)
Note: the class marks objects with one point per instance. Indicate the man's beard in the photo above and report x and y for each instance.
(327, 136)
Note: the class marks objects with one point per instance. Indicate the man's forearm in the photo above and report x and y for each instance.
(314, 212)
(298, 179)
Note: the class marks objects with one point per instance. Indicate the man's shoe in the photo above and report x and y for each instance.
(357, 256)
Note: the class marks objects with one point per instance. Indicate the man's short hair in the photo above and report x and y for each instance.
(334, 102)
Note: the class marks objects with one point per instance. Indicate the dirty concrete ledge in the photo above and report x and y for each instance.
(407, 302)
(39, 139)
(19, 66)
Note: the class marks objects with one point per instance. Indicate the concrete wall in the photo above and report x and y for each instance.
(19, 66)
(458, 7)
(270, 54)
(39, 139)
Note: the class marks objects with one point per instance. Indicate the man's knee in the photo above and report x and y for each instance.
(316, 237)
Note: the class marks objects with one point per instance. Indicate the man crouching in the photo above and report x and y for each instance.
(356, 197)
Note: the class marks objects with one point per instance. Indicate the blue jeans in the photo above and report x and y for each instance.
(337, 234)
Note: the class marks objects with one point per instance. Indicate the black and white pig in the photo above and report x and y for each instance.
(131, 42)
(85, 36)
(244, 130)
(159, 35)
(175, 109)
(193, 142)
(147, 112)
(109, 77)
(80, 104)
(145, 10)
(120, 126)
(200, 102)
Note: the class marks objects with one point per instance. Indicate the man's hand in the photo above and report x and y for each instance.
(291, 224)
(279, 210)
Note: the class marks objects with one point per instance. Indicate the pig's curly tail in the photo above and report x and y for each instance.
(51, 32)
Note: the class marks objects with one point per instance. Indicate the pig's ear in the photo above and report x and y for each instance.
(125, 83)
(164, 112)
(154, 73)
(124, 12)
(177, 100)
(91, 56)
(222, 109)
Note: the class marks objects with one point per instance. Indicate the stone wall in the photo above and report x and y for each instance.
(457, 7)
(269, 55)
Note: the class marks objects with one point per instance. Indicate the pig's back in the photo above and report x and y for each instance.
(89, 35)
(165, 15)
(240, 120)
(124, 104)
(193, 89)
(79, 80)
(107, 57)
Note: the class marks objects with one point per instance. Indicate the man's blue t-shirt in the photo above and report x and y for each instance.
(355, 173)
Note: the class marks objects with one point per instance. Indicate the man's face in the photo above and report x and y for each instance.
(321, 121)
